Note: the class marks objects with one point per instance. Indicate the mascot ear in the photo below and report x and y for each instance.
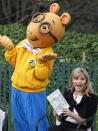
(54, 8)
(65, 18)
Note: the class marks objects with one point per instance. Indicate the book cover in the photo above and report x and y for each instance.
(57, 101)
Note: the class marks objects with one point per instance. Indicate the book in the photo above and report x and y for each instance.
(57, 101)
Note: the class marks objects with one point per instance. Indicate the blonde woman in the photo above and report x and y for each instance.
(82, 101)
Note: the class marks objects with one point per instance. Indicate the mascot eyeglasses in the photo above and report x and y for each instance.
(44, 27)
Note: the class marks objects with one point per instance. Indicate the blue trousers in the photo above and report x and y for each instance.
(27, 108)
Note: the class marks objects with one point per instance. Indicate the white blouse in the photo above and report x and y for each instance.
(78, 100)
(2, 117)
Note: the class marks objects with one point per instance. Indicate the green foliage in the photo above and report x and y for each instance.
(16, 32)
(69, 48)
(72, 45)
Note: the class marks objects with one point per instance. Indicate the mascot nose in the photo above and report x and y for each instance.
(33, 37)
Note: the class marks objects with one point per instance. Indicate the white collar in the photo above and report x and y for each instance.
(78, 99)
(29, 47)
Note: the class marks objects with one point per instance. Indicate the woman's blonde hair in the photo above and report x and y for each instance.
(75, 73)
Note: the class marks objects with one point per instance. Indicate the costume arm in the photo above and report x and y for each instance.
(43, 71)
(10, 56)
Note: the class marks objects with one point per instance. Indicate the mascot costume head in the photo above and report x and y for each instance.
(44, 30)
(33, 62)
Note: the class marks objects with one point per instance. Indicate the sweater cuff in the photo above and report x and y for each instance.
(11, 51)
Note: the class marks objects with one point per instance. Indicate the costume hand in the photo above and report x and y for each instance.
(6, 42)
(46, 57)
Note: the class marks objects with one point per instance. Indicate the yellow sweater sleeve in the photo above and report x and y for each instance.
(10, 56)
(43, 71)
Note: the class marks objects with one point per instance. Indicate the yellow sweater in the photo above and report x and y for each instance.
(25, 77)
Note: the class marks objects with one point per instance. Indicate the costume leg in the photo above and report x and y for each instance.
(19, 117)
(27, 108)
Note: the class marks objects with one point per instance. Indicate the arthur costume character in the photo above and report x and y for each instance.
(33, 62)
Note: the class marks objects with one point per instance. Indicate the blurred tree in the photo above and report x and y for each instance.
(21, 11)
(83, 12)
(84, 15)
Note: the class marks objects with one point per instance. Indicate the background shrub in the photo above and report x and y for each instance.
(69, 48)
(16, 32)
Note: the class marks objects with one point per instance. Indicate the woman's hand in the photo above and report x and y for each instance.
(66, 112)
(58, 117)
(76, 117)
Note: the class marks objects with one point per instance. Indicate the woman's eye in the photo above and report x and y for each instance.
(45, 27)
(76, 78)
(83, 79)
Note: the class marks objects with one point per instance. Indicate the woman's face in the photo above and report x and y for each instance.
(79, 82)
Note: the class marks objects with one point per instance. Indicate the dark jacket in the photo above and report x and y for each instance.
(85, 108)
